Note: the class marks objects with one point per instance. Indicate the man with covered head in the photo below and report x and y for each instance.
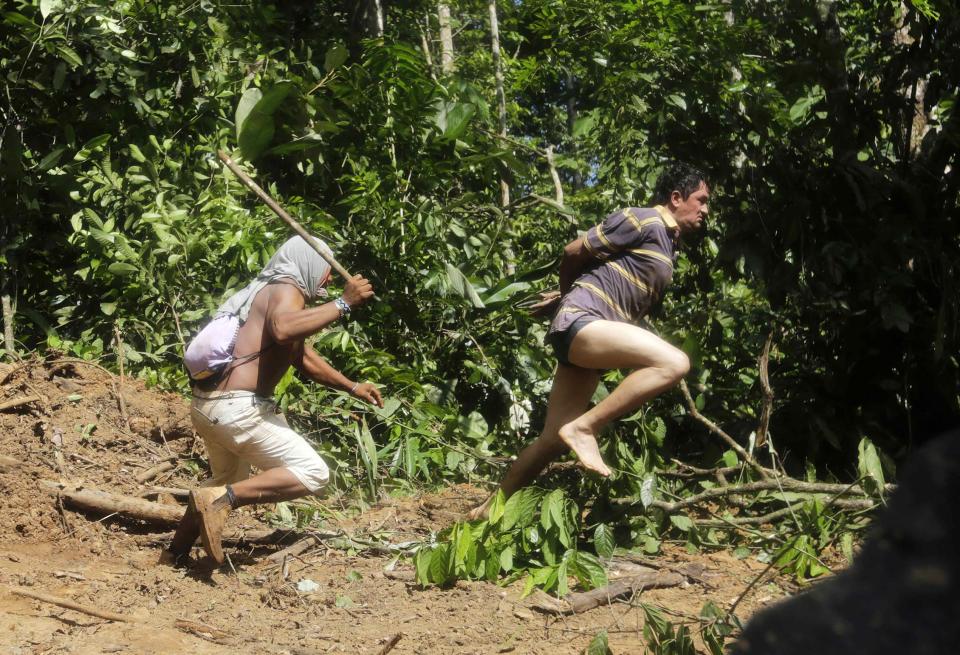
(234, 411)
(610, 278)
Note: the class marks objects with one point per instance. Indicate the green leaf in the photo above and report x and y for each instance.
(496, 509)
(506, 559)
(51, 159)
(335, 57)
(108, 308)
(599, 645)
(254, 118)
(502, 294)
(461, 285)
(122, 269)
(69, 55)
(603, 540)
(681, 522)
(521, 508)
(870, 467)
(453, 118)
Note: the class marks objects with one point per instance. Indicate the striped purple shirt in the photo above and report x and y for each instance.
(635, 249)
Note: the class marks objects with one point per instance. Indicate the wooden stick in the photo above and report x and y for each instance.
(302, 545)
(69, 604)
(587, 600)
(203, 631)
(714, 428)
(154, 471)
(16, 402)
(387, 647)
(120, 358)
(279, 211)
(107, 503)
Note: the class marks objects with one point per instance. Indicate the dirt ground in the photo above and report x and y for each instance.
(74, 431)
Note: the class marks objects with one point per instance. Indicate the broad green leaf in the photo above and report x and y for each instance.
(521, 508)
(335, 57)
(108, 308)
(599, 645)
(870, 467)
(603, 540)
(254, 118)
(122, 269)
(496, 509)
(461, 285)
(681, 522)
(69, 55)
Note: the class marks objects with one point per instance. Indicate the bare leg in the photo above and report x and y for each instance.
(572, 389)
(608, 344)
(273, 486)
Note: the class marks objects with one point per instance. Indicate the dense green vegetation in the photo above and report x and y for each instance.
(829, 131)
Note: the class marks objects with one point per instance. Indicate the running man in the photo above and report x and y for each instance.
(609, 280)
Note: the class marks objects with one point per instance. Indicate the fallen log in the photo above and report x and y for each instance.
(94, 500)
(583, 601)
(69, 604)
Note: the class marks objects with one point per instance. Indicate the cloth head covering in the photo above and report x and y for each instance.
(296, 260)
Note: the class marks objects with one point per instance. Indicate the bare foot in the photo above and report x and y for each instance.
(480, 511)
(584, 445)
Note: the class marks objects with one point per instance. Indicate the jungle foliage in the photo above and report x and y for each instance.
(829, 131)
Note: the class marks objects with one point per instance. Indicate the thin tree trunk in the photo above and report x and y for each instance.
(446, 38)
(571, 122)
(8, 343)
(502, 116)
(376, 18)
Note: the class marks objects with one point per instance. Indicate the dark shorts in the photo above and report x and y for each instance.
(561, 340)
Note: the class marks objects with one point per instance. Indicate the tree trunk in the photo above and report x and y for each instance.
(375, 18)
(502, 131)
(446, 38)
(8, 343)
(571, 122)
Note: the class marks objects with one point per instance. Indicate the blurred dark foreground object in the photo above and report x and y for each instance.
(902, 593)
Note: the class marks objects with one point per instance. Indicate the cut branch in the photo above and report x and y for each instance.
(69, 604)
(763, 365)
(785, 484)
(726, 438)
(578, 602)
(16, 402)
(154, 471)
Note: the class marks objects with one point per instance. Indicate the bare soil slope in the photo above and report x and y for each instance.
(62, 420)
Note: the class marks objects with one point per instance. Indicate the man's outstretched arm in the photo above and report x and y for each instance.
(288, 321)
(315, 367)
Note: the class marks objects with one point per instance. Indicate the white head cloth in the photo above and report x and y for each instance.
(296, 260)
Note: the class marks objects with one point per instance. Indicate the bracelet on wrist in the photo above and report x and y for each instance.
(354, 387)
(342, 306)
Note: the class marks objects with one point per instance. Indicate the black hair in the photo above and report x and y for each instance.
(677, 176)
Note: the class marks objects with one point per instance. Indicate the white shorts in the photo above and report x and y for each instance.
(241, 429)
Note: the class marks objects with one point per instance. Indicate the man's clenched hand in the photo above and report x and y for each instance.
(357, 291)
